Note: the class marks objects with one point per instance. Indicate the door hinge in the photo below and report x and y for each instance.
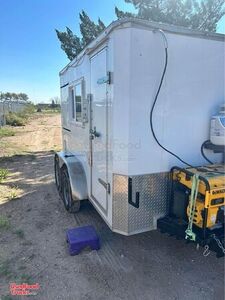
(106, 185)
(90, 160)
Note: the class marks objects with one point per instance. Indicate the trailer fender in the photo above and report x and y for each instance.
(76, 173)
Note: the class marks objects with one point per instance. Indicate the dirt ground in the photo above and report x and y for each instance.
(33, 247)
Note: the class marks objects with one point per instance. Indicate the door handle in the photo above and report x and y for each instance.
(94, 133)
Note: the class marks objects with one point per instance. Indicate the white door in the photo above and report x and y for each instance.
(98, 130)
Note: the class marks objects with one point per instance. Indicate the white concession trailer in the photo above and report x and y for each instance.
(110, 155)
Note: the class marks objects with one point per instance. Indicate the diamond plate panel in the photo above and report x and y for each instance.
(153, 195)
(120, 203)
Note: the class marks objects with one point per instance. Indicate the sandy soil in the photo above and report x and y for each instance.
(33, 247)
(42, 133)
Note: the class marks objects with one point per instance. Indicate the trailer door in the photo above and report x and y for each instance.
(98, 130)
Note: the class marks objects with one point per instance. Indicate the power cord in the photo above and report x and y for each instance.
(156, 98)
(203, 154)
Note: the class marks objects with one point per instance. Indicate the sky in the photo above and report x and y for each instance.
(30, 53)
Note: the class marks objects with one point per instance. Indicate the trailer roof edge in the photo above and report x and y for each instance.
(133, 22)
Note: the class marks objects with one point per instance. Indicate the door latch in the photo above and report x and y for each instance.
(94, 133)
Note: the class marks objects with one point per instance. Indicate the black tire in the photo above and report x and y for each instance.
(70, 205)
(57, 173)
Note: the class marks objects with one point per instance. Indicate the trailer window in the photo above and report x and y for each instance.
(78, 102)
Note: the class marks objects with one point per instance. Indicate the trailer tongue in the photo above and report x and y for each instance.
(196, 211)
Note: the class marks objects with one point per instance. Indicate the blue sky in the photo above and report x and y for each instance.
(30, 54)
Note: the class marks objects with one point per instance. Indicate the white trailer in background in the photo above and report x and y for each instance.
(109, 153)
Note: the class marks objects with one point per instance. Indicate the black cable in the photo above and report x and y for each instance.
(152, 110)
(203, 154)
(209, 161)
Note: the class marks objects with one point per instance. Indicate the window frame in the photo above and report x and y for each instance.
(72, 102)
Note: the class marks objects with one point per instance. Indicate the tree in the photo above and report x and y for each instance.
(120, 14)
(89, 29)
(196, 14)
(13, 96)
(203, 15)
(23, 96)
(71, 44)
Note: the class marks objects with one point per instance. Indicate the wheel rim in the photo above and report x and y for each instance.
(66, 192)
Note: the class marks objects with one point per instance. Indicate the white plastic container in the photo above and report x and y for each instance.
(217, 131)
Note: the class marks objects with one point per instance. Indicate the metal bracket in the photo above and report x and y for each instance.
(105, 79)
(135, 203)
(106, 185)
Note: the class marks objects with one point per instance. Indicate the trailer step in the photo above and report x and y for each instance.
(82, 237)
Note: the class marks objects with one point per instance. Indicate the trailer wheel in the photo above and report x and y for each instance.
(57, 173)
(70, 205)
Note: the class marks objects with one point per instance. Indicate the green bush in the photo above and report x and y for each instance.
(29, 109)
(3, 174)
(14, 119)
(4, 131)
(20, 118)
